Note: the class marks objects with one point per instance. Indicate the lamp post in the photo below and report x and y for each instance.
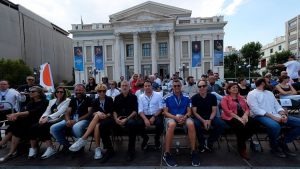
(235, 63)
(249, 66)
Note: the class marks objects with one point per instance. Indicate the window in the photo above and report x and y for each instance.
(292, 24)
(129, 50)
(206, 48)
(88, 53)
(109, 52)
(110, 72)
(293, 33)
(146, 49)
(263, 63)
(146, 70)
(262, 53)
(163, 49)
(279, 47)
(185, 49)
(271, 50)
(293, 42)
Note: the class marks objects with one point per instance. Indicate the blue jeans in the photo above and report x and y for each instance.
(58, 130)
(274, 128)
(218, 126)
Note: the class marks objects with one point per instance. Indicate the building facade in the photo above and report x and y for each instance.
(278, 45)
(292, 34)
(27, 36)
(151, 38)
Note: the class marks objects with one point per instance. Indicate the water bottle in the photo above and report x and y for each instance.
(177, 146)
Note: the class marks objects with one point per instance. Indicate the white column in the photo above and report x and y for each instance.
(171, 53)
(135, 52)
(117, 58)
(153, 53)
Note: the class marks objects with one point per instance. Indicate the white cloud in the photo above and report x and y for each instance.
(66, 12)
(232, 8)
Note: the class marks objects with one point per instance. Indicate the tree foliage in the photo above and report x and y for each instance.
(15, 71)
(251, 51)
(278, 58)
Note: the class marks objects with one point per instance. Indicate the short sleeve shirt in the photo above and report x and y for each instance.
(177, 105)
(80, 107)
(204, 105)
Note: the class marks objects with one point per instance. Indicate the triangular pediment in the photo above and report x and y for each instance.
(144, 16)
(150, 11)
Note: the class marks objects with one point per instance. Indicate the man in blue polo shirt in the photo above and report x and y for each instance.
(177, 111)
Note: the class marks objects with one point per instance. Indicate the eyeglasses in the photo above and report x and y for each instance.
(32, 91)
(200, 86)
(30, 79)
(3, 98)
(59, 92)
(176, 85)
(101, 91)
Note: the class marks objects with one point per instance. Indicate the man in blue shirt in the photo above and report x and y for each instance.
(177, 111)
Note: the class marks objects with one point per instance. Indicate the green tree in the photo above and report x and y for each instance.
(278, 58)
(251, 52)
(15, 71)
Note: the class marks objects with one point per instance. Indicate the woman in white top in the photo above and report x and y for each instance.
(113, 91)
(53, 114)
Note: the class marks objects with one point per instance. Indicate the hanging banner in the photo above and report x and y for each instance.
(78, 59)
(46, 79)
(196, 54)
(98, 58)
(218, 53)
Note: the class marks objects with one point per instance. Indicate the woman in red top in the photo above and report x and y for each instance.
(133, 85)
(236, 115)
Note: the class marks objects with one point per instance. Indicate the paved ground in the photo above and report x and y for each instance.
(220, 158)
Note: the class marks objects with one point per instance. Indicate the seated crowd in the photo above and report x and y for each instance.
(200, 108)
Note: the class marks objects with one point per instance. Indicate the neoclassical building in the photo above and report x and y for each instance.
(150, 38)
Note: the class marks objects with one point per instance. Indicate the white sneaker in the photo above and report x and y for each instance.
(78, 145)
(48, 153)
(98, 155)
(32, 153)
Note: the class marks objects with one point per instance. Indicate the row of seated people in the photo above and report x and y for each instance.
(84, 116)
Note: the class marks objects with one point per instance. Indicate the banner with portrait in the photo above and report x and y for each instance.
(196, 54)
(78, 59)
(98, 58)
(218, 53)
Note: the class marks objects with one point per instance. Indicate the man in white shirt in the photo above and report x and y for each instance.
(190, 88)
(157, 79)
(266, 109)
(9, 96)
(150, 108)
(292, 67)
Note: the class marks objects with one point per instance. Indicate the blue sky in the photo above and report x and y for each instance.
(259, 20)
(248, 20)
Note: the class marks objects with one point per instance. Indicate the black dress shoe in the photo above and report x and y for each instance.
(287, 151)
(106, 156)
(130, 156)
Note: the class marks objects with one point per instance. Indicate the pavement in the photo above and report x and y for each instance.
(221, 157)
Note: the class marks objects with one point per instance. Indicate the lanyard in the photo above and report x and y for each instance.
(177, 100)
(3, 95)
(78, 105)
(149, 100)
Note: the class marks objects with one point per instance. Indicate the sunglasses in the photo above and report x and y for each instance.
(176, 85)
(101, 91)
(33, 91)
(59, 92)
(200, 86)
(3, 98)
(30, 79)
